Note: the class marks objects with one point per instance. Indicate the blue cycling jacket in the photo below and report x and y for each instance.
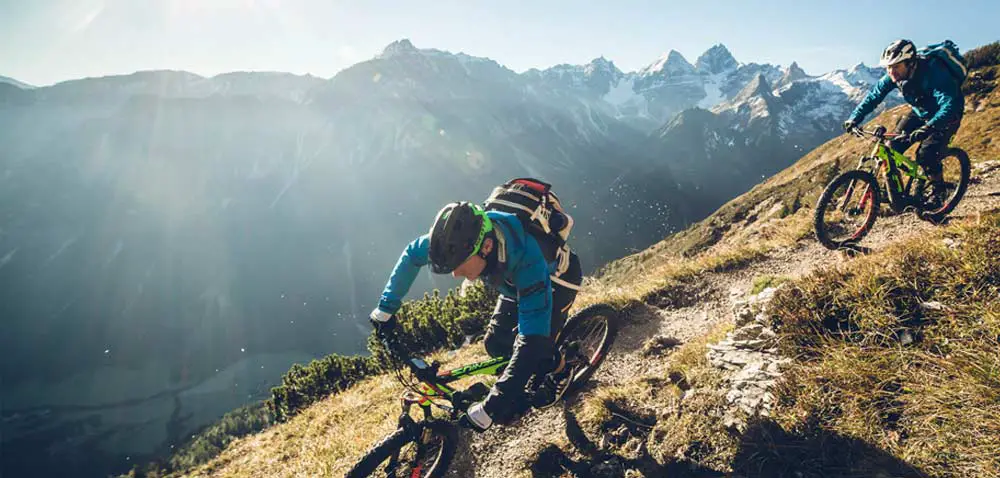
(524, 274)
(932, 92)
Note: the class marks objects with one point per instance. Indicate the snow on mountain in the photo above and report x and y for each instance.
(716, 60)
(856, 81)
(755, 100)
(652, 95)
(11, 81)
(670, 65)
(792, 74)
(596, 78)
(713, 91)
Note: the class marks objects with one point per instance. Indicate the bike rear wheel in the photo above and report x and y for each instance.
(593, 329)
(956, 172)
(847, 209)
(422, 451)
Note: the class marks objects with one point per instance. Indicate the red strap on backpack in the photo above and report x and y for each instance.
(533, 184)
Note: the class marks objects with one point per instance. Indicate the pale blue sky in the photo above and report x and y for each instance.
(46, 41)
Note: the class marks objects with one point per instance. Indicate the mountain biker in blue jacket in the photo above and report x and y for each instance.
(936, 101)
(472, 243)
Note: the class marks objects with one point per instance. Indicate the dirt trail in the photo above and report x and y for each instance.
(502, 452)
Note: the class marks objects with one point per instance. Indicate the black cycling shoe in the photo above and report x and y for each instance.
(934, 199)
(554, 385)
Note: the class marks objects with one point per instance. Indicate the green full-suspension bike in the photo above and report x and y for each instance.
(849, 205)
(423, 448)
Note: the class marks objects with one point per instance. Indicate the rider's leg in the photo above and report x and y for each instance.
(502, 329)
(931, 148)
(507, 398)
(562, 300)
(909, 122)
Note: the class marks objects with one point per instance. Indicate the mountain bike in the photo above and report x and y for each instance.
(849, 205)
(424, 448)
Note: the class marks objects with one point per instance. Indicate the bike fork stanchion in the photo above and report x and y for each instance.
(846, 198)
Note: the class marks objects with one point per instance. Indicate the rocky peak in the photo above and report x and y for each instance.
(792, 74)
(601, 65)
(759, 86)
(671, 64)
(716, 60)
(399, 48)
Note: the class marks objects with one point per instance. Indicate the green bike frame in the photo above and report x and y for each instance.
(429, 389)
(899, 163)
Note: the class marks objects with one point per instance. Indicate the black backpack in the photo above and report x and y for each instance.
(541, 213)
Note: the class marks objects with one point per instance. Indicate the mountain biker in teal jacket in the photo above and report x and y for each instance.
(472, 243)
(936, 101)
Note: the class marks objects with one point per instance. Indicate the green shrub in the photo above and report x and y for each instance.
(304, 385)
(213, 439)
(986, 55)
(436, 322)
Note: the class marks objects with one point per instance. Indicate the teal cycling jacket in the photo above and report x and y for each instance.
(524, 274)
(932, 92)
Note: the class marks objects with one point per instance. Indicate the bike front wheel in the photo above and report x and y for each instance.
(956, 170)
(847, 209)
(422, 451)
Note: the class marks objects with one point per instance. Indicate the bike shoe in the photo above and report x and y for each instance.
(554, 386)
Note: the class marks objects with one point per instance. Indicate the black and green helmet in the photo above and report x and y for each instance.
(457, 234)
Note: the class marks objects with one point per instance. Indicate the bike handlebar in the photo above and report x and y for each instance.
(422, 370)
(878, 133)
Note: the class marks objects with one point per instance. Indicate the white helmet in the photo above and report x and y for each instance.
(897, 52)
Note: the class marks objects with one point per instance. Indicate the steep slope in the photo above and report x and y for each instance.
(643, 387)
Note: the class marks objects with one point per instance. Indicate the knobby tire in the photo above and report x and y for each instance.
(393, 443)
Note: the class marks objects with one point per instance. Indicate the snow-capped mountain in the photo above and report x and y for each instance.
(716, 60)
(595, 79)
(651, 96)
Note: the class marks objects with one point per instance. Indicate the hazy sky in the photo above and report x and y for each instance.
(46, 41)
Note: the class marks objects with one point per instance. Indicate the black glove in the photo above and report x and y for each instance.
(919, 134)
(385, 326)
(849, 125)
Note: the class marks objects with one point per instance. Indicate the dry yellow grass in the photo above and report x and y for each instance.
(327, 438)
(901, 351)
(659, 396)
